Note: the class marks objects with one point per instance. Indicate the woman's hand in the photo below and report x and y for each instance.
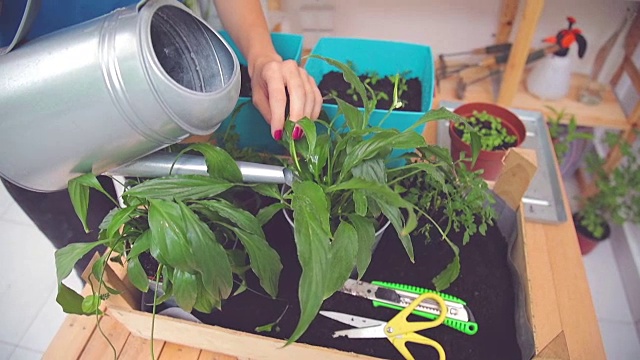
(272, 79)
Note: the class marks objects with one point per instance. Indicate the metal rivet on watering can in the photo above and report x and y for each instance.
(98, 95)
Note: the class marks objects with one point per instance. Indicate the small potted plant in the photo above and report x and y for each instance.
(498, 129)
(570, 142)
(617, 198)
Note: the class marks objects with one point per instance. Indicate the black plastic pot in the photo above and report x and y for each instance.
(586, 240)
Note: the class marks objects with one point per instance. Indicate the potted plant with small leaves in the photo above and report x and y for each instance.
(570, 141)
(617, 198)
(499, 129)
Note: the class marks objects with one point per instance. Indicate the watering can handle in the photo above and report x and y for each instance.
(30, 12)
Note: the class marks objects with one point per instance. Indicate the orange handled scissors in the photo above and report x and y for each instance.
(397, 330)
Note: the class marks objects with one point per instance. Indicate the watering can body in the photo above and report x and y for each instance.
(100, 94)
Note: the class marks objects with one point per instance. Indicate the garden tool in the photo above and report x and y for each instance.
(446, 71)
(398, 330)
(462, 84)
(398, 296)
(96, 96)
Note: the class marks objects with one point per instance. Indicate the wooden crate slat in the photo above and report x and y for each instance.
(208, 355)
(174, 351)
(137, 348)
(71, 339)
(98, 347)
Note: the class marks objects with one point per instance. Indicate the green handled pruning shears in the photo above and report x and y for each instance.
(397, 296)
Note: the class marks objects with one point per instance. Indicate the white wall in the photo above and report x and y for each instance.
(456, 25)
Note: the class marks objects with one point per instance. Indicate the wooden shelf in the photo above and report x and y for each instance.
(607, 114)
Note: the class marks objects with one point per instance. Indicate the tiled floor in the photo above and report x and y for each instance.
(29, 315)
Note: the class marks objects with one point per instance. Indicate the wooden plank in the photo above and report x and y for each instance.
(557, 349)
(608, 113)
(208, 355)
(175, 351)
(520, 166)
(137, 348)
(70, 340)
(98, 347)
(225, 341)
(519, 51)
(508, 13)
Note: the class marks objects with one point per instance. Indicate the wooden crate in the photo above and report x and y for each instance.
(129, 329)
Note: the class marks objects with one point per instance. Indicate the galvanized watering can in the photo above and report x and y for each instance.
(98, 95)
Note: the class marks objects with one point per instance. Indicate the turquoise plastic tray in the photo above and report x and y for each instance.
(386, 58)
(254, 131)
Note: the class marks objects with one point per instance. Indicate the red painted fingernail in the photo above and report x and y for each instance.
(277, 135)
(296, 133)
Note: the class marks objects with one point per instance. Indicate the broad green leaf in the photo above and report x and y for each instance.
(220, 165)
(476, 145)
(268, 190)
(438, 152)
(395, 216)
(142, 244)
(208, 254)
(70, 300)
(240, 217)
(267, 328)
(79, 193)
(205, 302)
(429, 169)
(312, 233)
(185, 289)
(119, 218)
(309, 129)
(169, 239)
(443, 280)
(265, 261)
(374, 189)
(435, 115)
(360, 201)
(352, 115)
(343, 253)
(381, 142)
(180, 187)
(265, 214)
(238, 261)
(372, 170)
(69, 255)
(137, 275)
(91, 304)
(320, 157)
(365, 231)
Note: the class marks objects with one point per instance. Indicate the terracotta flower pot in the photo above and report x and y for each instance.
(489, 161)
(586, 240)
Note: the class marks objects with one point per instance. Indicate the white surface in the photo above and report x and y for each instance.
(550, 77)
(457, 25)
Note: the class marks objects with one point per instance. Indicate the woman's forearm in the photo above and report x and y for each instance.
(245, 22)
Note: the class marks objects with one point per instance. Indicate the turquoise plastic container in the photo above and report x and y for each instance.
(386, 58)
(254, 131)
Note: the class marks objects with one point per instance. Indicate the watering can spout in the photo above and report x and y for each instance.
(98, 95)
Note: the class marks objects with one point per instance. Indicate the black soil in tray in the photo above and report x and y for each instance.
(335, 81)
(484, 283)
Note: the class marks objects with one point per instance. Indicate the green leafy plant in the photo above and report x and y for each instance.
(493, 135)
(343, 192)
(618, 192)
(561, 135)
(202, 242)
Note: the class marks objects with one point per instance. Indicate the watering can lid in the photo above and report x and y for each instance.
(30, 12)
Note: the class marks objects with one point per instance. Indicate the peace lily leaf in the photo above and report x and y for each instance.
(371, 147)
(265, 214)
(451, 272)
(268, 190)
(208, 254)
(395, 216)
(352, 115)
(180, 187)
(240, 217)
(321, 157)
(476, 145)
(69, 255)
(79, 195)
(119, 218)
(312, 233)
(373, 170)
(352, 78)
(205, 302)
(309, 129)
(169, 239)
(142, 244)
(343, 252)
(268, 327)
(360, 201)
(435, 115)
(70, 300)
(185, 289)
(137, 275)
(91, 304)
(220, 165)
(365, 231)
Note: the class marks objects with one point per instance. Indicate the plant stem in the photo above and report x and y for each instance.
(153, 312)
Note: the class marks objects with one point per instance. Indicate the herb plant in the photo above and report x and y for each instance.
(618, 195)
(562, 135)
(493, 136)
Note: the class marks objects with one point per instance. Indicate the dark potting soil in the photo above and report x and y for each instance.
(245, 81)
(487, 125)
(484, 283)
(335, 81)
(583, 229)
